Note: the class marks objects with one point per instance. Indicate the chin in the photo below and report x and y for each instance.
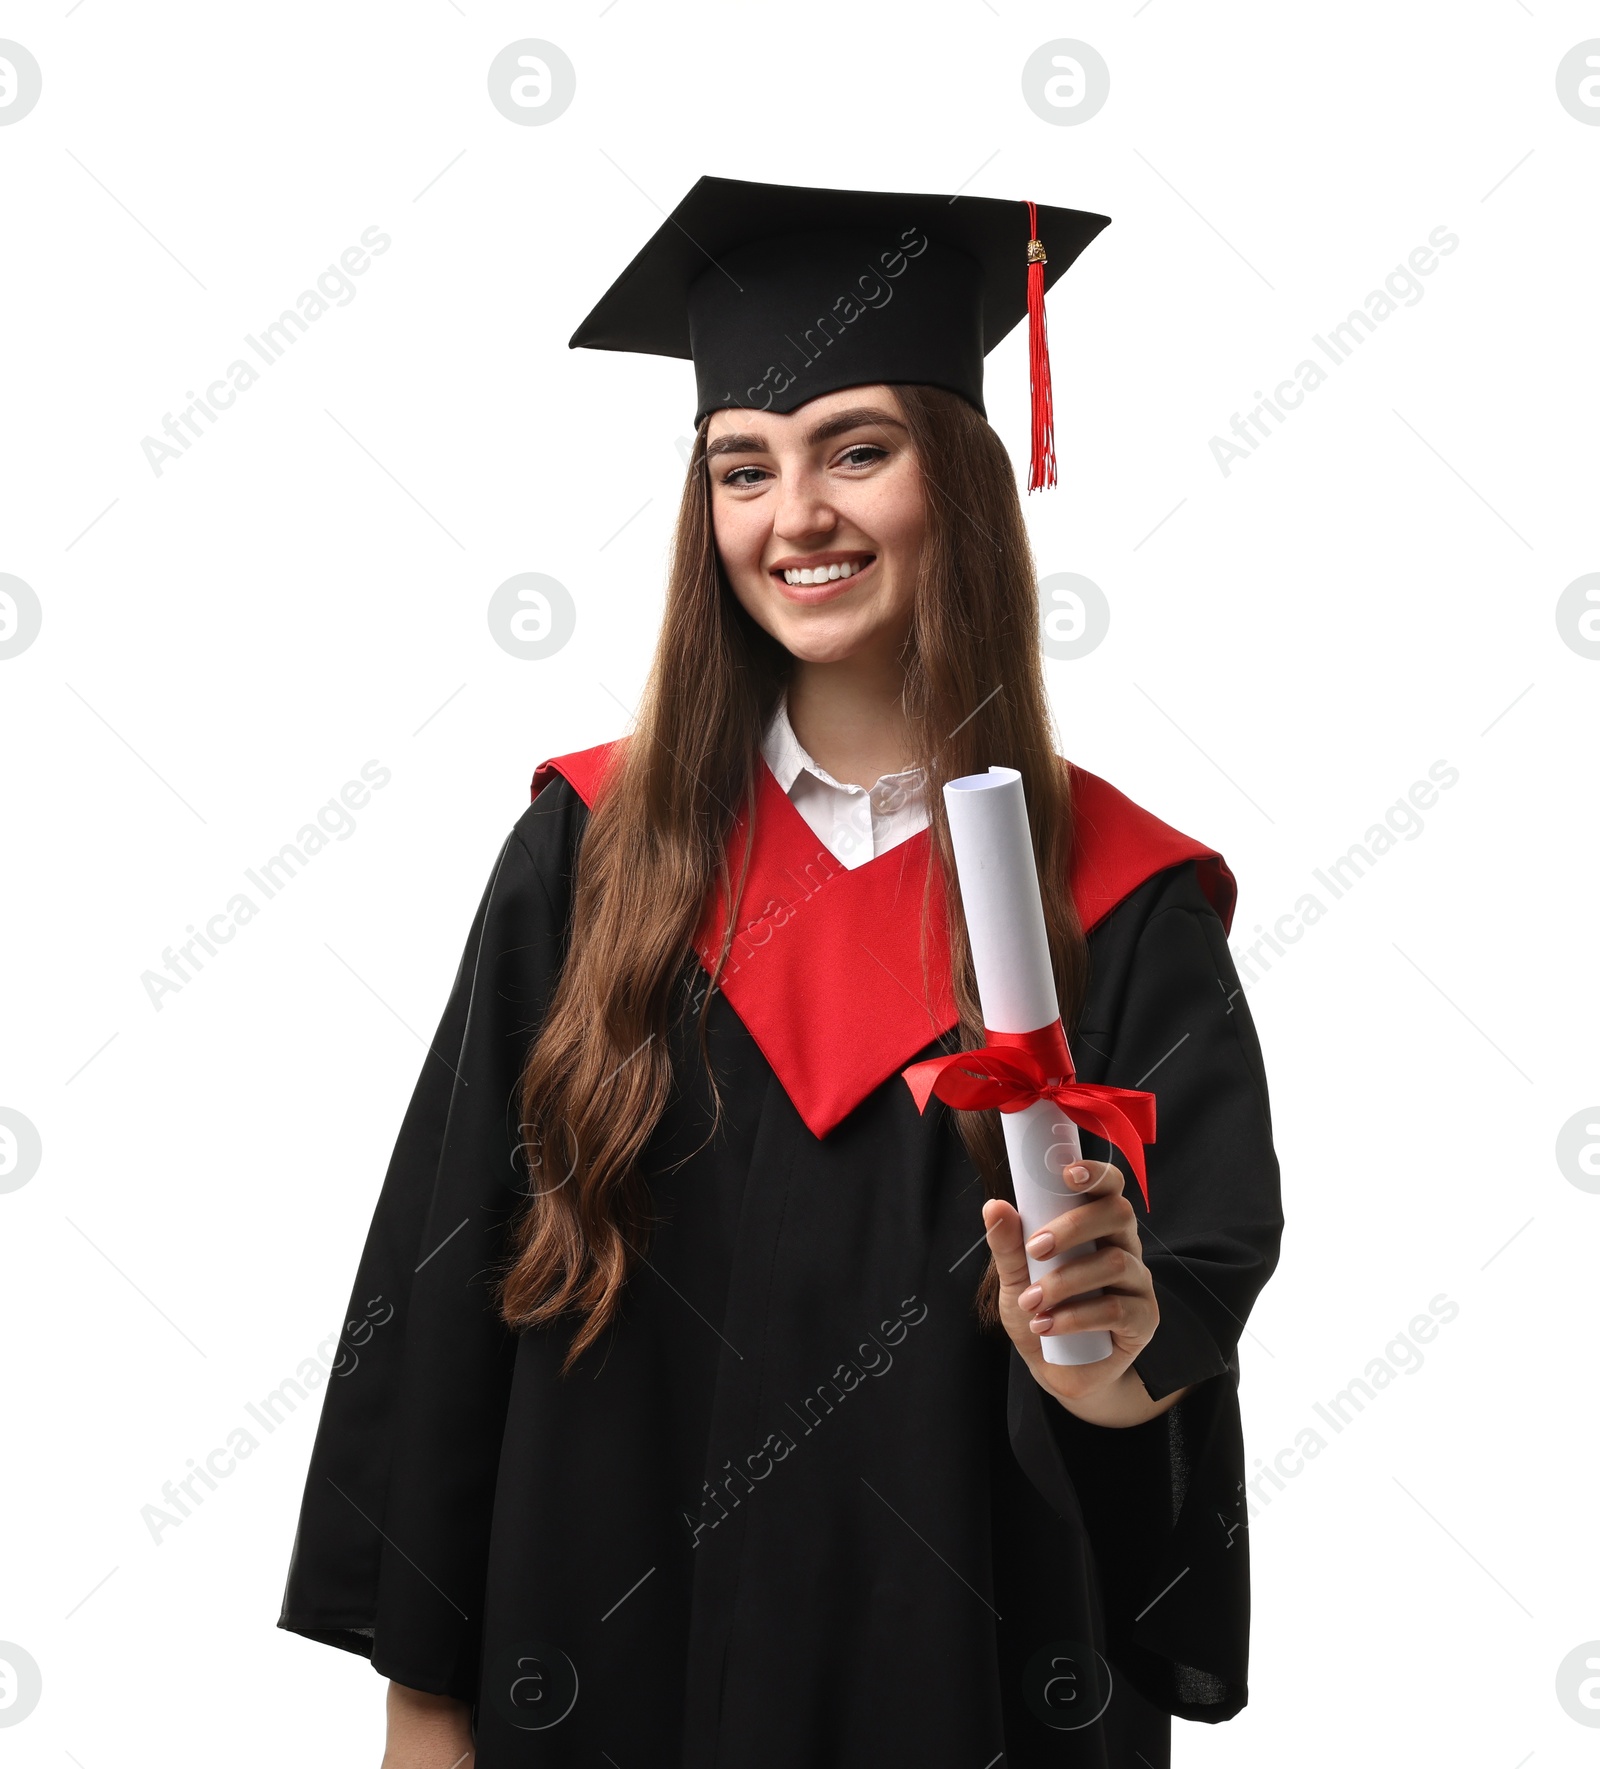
(814, 643)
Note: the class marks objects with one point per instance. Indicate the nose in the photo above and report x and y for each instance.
(803, 514)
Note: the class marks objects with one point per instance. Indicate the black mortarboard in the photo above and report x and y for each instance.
(780, 292)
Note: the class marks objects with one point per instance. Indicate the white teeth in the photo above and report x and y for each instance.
(820, 574)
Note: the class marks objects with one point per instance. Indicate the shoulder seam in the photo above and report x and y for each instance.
(1200, 911)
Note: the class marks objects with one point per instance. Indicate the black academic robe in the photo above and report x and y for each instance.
(796, 1508)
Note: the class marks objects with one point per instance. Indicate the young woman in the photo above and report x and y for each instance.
(711, 1424)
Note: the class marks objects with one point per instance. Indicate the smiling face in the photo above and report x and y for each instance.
(818, 515)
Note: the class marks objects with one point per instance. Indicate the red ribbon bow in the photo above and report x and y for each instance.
(1014, 1069)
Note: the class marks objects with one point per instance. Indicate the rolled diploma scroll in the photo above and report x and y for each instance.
(1016, 990)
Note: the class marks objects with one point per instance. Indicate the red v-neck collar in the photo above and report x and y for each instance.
(826, 970)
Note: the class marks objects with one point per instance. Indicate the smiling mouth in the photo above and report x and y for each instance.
(824, 570)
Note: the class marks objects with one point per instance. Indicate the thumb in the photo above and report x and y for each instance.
(1003, 1230)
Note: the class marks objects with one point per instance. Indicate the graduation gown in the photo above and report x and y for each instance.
(796, 1507)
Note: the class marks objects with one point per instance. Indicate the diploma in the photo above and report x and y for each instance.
(1024, 1068)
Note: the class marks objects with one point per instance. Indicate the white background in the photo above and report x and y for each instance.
(1291, 646)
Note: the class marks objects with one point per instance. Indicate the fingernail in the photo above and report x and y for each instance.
(1078, 1175)
(1030, 1296)
(1042, 1243)
(1040, 1323)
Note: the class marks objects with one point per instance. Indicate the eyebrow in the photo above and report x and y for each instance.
(857, 418)
(735, 445)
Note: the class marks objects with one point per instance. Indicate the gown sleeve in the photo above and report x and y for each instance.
(1163, 1503)
(389, 1559)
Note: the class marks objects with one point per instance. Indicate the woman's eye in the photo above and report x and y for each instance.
(744, 476)
(863, 454)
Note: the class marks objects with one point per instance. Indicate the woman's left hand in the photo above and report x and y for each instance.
(1103, 1393)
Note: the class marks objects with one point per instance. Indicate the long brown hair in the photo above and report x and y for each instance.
(598, 1074)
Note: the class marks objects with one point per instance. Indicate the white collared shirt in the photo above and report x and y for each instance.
(855, 823)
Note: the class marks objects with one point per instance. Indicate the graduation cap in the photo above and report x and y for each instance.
(779, 293)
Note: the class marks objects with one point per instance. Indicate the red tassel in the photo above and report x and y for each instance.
(1042, 464)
